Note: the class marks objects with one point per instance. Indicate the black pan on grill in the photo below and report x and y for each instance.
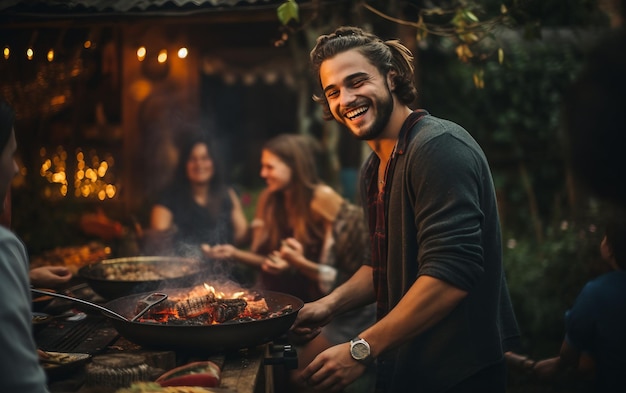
(117, 277)
(222, 337)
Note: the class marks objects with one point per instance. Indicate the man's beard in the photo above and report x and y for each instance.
(383, 114)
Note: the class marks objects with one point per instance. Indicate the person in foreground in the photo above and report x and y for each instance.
(594, 346)
(42, 276)
(444, 315)
(19, 361)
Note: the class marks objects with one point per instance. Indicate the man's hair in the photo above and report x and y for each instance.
(7, 118)
(384, 55)
(615, 236)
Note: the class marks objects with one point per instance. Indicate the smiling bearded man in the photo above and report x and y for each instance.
(444, 313)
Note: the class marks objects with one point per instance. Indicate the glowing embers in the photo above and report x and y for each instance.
(203, 305)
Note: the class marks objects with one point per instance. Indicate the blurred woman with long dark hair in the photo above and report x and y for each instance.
(197, 207)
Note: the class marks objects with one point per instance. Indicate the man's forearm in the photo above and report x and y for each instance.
(357, 291)
(426, 303)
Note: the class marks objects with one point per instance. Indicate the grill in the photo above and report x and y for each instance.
(91, 335)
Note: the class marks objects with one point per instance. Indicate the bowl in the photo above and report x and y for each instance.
(118, 277)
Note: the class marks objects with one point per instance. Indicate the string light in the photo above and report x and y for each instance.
(29, 52)
(7, 52)
(162, 58)
(182, 53)
(141, 53)
(50, 55)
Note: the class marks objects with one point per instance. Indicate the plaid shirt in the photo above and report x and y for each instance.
(377, 214)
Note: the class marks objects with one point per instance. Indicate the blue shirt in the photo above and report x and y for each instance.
(19, 362)
(597, 324)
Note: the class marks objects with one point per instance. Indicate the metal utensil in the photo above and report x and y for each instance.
(150, 301)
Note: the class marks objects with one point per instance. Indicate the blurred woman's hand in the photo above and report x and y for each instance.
(220, 251)
(291, 250)
(49, 276)
(274, 264)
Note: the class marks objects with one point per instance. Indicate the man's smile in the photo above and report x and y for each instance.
(352, 114)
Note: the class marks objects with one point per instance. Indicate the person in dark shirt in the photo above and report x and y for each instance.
(444, 313)
(197, 207)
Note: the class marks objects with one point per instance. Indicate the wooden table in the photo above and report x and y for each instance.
(242, 371)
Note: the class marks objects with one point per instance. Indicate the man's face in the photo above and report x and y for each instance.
(358, 95)
(8, 168)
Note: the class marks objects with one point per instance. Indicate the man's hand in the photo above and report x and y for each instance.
(332, 370)
(547, 368)
(309, 322)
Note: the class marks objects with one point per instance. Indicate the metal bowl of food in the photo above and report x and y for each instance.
(117, 277)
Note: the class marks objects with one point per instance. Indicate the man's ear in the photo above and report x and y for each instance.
(391, 74)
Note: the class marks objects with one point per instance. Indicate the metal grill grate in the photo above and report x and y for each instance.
(91, 335)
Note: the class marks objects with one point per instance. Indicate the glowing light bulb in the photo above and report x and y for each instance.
(7, 52)
(182, 53)
(162, 58)
(50, 55)
(141, 53)
(30, 53)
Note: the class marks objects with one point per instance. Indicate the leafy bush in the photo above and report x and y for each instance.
(544, 279)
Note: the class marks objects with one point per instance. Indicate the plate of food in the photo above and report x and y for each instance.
(60, 363)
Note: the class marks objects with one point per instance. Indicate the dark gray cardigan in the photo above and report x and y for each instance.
(442, 221)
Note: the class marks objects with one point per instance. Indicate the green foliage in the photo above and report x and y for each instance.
(544, 279)
(287, 12)
(515, 117)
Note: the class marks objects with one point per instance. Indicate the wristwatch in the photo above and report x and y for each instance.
(360, 350)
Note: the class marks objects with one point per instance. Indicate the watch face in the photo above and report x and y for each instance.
(360, 350)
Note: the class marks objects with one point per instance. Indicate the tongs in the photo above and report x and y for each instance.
(150, 301)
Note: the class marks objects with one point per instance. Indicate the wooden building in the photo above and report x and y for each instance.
(103, 87)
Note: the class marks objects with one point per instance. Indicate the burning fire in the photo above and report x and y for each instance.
(222, 295)
(204, 305)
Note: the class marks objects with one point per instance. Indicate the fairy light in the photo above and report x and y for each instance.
(141, 53)
(89, 181)
(30, 53)
(87, 44)
(50, 55)
(6, 52)
(182, 53)
(162, 58)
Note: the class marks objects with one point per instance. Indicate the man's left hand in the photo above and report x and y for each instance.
(332, 370)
